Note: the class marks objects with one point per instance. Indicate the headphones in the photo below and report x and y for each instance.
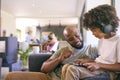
(107, 29)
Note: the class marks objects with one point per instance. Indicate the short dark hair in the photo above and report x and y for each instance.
(103, 14)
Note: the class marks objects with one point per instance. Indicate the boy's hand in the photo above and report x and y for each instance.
(92, 66)
(82, 61)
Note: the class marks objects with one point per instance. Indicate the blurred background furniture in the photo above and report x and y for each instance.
(38, 45)
(8, 51)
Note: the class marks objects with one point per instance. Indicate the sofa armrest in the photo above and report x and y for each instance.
(36, 61)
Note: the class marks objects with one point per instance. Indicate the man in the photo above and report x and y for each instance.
(67, 55)
(62, 59)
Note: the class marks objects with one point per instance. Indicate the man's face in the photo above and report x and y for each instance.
(74, 39)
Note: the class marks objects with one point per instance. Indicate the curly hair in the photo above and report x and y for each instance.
(103, 14)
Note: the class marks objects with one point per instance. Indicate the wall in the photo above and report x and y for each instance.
(117, 6)
(58, 30)
(8, 23)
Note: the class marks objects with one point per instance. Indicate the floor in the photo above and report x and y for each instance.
(4, 71)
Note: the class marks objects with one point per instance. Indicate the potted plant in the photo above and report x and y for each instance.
(24, 56)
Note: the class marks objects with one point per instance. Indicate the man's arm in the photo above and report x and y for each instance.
(51, 64)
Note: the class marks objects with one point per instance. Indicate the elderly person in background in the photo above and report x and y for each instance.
(52, 42)
(51, 45)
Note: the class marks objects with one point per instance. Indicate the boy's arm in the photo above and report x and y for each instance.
(82, 61)
(97, 66)
(110, 67)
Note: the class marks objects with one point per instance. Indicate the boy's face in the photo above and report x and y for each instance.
(97, 33)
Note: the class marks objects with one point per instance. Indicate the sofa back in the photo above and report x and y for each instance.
(36, 61)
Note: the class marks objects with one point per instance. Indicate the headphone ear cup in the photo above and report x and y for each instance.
(107, 29)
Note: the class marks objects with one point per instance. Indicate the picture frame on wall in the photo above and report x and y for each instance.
(2, 46)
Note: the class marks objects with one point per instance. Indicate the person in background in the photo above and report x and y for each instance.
(52, 43)
(11, 35)
(4, 33)
(37, 41)
(28, 38)
(44, 39)
(103, 23)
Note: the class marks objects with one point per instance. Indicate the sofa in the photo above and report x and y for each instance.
(36, 61)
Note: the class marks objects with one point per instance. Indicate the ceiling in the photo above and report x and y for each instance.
(43, 8)
(52, 11)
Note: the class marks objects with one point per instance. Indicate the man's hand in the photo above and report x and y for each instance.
(65, 54)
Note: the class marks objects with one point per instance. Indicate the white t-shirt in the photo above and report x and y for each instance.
(27, 38)
(109, 50)
(55, 47)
